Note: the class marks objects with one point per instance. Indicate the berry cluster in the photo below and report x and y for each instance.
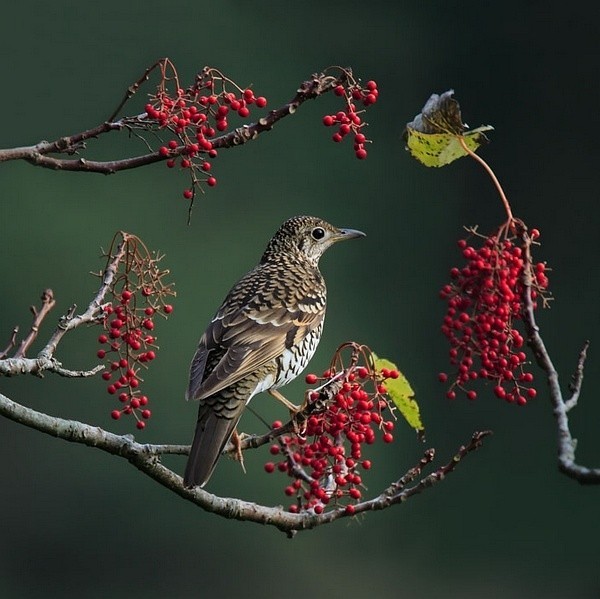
(325, 461)
(195, 116)
(128, 344)
(485, 301)
(349, 121)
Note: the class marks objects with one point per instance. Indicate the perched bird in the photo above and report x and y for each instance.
(261, 338)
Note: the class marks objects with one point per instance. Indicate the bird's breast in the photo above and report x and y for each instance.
(295, 359)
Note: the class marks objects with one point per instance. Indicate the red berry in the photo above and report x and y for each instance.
(115, 414)
(339, 90)
(163, 151)
(328, 120)
(140, 425)
(188, 194)
(269, 467)
(362, 372)
(311, 379)
(211, 181)
(388, 438)
(472, 394)
(350, 509)
(366, 464)
(146, 413)
(261, 101)
(168, 308)
(102, 339)
(361, 154)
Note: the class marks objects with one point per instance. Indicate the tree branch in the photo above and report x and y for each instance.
(146, 459)
(38, 154)
(566, 444)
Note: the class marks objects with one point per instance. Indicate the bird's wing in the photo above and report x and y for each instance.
(245, 339)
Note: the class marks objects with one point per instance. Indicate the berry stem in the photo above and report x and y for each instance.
(491, 173)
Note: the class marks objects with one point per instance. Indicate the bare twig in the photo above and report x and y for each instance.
(48, 302)
(45, 361)
(561, 407)
(11, 343)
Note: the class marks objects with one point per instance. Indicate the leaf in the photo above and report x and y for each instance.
(402, 395)
(433, 136)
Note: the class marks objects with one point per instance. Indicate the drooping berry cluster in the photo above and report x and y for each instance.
(349, 121)
(325, 461)
(485, 301)
(195, 116)
(128, 344)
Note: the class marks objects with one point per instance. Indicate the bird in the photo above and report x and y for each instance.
(262, 336)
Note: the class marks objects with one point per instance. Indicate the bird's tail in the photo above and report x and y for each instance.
(212, 433)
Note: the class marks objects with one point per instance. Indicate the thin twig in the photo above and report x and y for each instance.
(48, 302)
(11, 343)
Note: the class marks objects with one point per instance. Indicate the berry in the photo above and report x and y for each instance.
(211, 181)
(485, 300)
(311, 379)
(115, 414)
(188, 194)
(269, 467)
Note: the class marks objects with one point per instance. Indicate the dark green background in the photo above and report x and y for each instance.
(506, 524)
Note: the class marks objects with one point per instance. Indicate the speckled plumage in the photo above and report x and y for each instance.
(262, 337)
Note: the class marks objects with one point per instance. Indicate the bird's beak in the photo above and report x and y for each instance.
(349, 234)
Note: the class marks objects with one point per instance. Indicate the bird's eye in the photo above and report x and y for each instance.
(318, 233)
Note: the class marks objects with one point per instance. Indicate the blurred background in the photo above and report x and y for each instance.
(506, 523)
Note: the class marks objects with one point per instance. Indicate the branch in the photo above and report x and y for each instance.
(566, 444)
(38, 154)
(45, 361)
(48, 302)
(146, 459)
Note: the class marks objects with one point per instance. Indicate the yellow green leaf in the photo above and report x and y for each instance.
(440, 149)
(401, 393)
(434, 136)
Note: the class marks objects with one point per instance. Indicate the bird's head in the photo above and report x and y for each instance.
(307, 235)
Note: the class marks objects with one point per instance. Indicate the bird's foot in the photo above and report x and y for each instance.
(293, 408)
(236, 440)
